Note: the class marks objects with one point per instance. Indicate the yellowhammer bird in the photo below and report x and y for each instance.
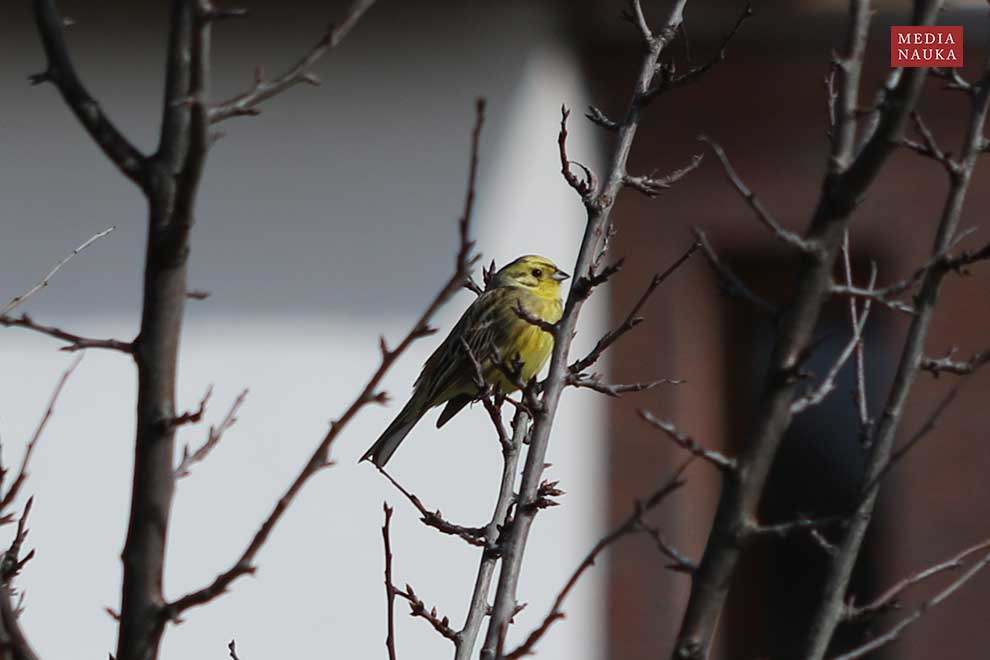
(493, 329)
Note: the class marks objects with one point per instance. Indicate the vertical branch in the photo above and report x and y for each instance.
(841, 563)
(389, 589)
(849, 175)
(478, 607)
(176, 170)
(599, 204)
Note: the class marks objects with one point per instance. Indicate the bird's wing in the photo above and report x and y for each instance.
(449, 370)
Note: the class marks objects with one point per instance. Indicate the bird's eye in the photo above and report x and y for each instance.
(537, 273)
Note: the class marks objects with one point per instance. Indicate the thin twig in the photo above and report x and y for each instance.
(246, 103)
(434, 519)
(686, 442)
(389, 589)
(585, 187)
(888, 600)
(861, 401)
(417, 608)
(15, 487)
(74, 342)
(18, 300)
(597, 383)
(818, 394)
(762, 214)
(946, 364)
(632, 318)
(652, 185)
(190, 458)
(729, 281)
(894, 633)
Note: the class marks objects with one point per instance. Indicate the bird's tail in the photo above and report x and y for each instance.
(385, 446)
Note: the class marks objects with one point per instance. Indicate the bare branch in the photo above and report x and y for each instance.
(894, 633)
(434, 519)
(729, 281)
(929, 147)
(62, 73)
(632, 318)
(680, 562)
(651, 185)
(190, 458)
(598, 117)
(946, 364)
(18, 300)
(597, 383)
(15, 487)
(635, 16)
(762, 214)
(966, 258)
(11, 563)
(669, 80)
(389, 589)
(818, 394)
(417, 608)
(246, 103)
(956, 81)
(888, 600)
(75, 342)
(478, 607)
(585, 187)
(192, 416)
(861, 404)
(689, 444)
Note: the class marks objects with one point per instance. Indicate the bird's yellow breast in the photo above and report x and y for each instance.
(531, 344)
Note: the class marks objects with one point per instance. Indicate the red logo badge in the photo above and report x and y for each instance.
(914, 46)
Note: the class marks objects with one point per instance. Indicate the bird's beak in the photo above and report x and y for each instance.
(560, 276)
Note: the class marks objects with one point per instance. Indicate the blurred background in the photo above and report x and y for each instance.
(330, 219)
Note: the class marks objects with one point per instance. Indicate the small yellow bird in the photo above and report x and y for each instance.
(492, 328)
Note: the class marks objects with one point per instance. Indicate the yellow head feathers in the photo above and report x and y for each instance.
(533, 272)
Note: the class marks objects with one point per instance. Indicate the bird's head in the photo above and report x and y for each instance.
(532, 272)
